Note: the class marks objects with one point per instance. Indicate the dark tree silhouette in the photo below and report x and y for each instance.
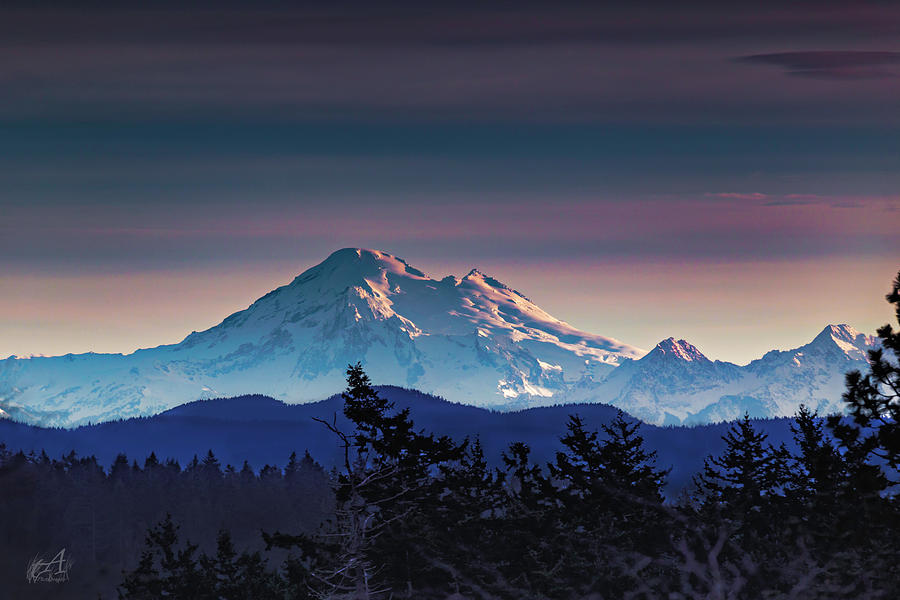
(873, 399)
(628, 466)
(385, 486)
(168, 569)
(747, 474)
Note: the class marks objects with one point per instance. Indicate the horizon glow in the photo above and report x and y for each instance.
(730, 177)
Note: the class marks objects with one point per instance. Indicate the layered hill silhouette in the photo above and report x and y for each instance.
(263, 430)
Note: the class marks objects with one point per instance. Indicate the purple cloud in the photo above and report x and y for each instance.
(831, 64)
(737, 195)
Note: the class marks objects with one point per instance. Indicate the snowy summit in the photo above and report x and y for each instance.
(471, 340)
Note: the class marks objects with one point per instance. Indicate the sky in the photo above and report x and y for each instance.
(726, 173)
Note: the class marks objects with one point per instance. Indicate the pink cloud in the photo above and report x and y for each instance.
(804, 197)
(737, 195)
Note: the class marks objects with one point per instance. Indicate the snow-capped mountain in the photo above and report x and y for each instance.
(471, 340)
(812, 374)
(676, 384)
(663, 386)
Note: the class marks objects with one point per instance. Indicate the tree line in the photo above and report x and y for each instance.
(101, 516)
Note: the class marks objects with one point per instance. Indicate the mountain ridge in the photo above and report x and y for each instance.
(264, 430)
(472, 339)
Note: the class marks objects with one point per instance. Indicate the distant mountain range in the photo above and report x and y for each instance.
(471, 340)
(676, 384)
(263, 431)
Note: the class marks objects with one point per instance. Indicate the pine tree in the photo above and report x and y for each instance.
(742, 500)
(535, 548)
(151, 462)
(619, 464)
(232, 576)
(165, 569)
(464, 520)
(523, 479)
(747, 474)
(580, 467)
(610, 494)
(873, 399)
(384, 487)
(868, 518)
(168, 569)
(627, 466)
(823, 478)
(471, 488)
(211, 468)
(291, 470)
(833, 497)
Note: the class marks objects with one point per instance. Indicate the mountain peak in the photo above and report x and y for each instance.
(680, 349)
(477, 277)
(368, 257)
(846, 338)
(352, 266)
(841, 331)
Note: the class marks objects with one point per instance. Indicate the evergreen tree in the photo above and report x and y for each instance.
(165, 570)
(873, 399)
(169, 570)
(291, 469)
(824, 479)
(211, 468)
(232, 576)
(740, 519)
(465, 521)
(869, 515)
(627, 466)
(610, 502)
(151, 462)
(471, 489)
(580, 467)
(592, 468)
(832, 500)
(534, 551)
(749, 472)
(384, 487)
(524, 480)
(247, 476)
